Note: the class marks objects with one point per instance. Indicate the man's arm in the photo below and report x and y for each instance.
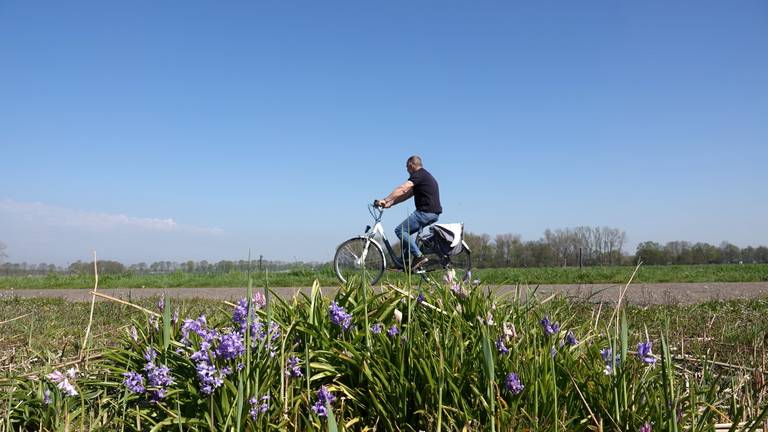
(400, 194)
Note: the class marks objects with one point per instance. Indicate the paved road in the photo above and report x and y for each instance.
(656, 293)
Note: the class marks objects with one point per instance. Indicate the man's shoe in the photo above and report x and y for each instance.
(419, 262)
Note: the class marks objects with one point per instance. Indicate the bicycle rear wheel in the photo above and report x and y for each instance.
(349, 262)
(461, 264)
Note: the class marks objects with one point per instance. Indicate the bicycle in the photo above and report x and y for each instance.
(364, 254)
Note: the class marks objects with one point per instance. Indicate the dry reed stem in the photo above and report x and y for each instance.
(84, 346)
(17, 318)
(117, 300)
(622, 293)
(394, 288)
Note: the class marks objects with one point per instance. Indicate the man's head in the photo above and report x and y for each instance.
(413, 164)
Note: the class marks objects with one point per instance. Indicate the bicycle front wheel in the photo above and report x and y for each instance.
(359, 258)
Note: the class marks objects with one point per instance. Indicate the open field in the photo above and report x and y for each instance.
(504, 276)
(637, 294)
(454, 363)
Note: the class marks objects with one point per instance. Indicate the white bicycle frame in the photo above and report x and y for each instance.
(372, 235)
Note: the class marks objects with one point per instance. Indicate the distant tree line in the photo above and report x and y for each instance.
(159, 267)
(682, 252)
(586, 246)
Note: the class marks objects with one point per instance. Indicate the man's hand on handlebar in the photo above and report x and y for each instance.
(380, 204)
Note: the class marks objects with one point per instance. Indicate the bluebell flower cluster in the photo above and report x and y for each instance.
(209, 377)
(47, 397)
(324, 398)
(513, 384)
(293, 369)
(258, 406)
(134, 382)
(158, 378)
(339, 316)
(570, 338)
(645, 354)
(376, 328)
(62, 381)
(230, 346)
(549, 327)
(393, 331)
(500, 345)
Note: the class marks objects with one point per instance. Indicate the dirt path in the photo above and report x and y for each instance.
(656, 293)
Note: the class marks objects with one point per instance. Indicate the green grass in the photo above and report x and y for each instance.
(443, 372)
(303, 278)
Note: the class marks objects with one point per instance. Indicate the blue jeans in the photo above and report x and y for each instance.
(413, 224)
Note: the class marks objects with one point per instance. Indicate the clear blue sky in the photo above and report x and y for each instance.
(270, 125)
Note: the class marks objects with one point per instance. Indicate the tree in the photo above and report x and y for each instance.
(507, 250)
(650, 253)
(729, 253)
(2, 251)
(705, 253)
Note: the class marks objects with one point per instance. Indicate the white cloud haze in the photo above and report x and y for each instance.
(40, 232)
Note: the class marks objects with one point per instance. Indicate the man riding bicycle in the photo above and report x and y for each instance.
(423, 187)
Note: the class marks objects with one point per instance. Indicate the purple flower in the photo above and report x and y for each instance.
(157, 394)
(150, 354)
(161, 303)
(376, 328)
(552, 351)
(293, 369)
(62, 381)
(259, 332)
(420, 299)
(324, 398)
(209, 378)
(67, 388)
(550, 328)
(645, 428)
(240, 315)
(230, 346)
(175, 317)
(570, 339)
(199, 327)
(500, 346)
(158, 376)
(339, 316)
(47, 397)
(512, 383)
(258, 406)
(645, 354)
(393, 330)
(259, 300)
(56, 376)
(458, 290)
(134, 382)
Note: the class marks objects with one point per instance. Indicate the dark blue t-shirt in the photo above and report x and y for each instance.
(426, 193)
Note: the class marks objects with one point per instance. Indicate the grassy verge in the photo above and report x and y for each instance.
(460, 360)
(297, 278)
(52, 330)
